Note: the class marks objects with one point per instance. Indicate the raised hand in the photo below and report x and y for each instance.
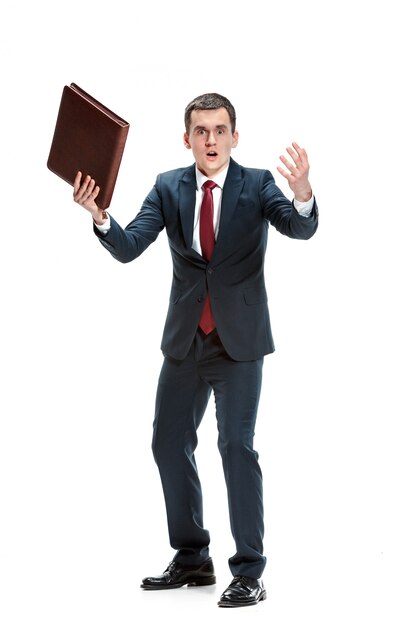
(297, 172)
(85, 194)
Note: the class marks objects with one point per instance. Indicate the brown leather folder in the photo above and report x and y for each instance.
(89, 138)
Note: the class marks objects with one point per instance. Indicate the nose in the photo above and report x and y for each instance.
(211, 139)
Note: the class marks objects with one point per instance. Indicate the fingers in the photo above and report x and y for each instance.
(83, 188)
(77, 182)
(296, 172)
(290, 166)
(299, 164)
(85, 192)
(284, 173)
(299, 155)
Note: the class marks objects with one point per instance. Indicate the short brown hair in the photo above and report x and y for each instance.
(209, 101)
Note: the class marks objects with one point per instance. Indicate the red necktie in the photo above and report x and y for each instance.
(207, 323)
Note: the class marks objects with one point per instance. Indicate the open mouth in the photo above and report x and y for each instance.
(212, 153)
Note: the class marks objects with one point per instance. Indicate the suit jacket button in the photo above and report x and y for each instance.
(200, 299)
(210, 270)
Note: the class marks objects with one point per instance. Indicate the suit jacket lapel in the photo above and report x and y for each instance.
(187, 190)
(232, 188)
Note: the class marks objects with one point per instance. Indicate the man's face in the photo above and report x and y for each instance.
(211, 140)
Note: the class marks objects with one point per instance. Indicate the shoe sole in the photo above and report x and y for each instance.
(232, 605)
(202, 582)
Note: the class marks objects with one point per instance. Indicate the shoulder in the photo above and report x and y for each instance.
(252, 175)
(171, 177)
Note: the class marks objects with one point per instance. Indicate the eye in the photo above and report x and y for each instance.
(201, 131)
(220, 131)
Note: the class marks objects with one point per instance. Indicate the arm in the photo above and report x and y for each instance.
(298, 219)
(124, 244)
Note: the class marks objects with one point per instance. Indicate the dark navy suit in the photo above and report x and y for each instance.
(228, 361)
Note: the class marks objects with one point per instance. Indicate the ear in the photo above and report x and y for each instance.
(186, 141)
(235, 139)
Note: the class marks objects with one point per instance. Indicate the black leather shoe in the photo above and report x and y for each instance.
(243, 591)
(177, 575)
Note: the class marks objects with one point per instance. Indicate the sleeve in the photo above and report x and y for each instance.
(104, 228)
(126, 244)
(282, 213)
(304, 208)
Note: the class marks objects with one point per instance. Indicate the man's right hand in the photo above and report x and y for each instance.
(85, 194)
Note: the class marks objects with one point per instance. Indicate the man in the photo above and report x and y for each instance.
(217, 330)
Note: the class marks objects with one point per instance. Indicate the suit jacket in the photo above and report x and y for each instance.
(234, 276)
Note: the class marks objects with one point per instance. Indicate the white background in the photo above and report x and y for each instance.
(82, 518)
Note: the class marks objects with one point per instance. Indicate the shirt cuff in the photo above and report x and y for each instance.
(103, 228)
(304, 208)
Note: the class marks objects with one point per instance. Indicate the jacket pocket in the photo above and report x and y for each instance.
(174, 296)
(255, 295)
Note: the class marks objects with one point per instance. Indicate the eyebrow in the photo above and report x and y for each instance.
(205, 128)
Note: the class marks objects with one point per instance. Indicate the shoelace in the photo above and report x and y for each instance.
(242, 580)
(170, 567)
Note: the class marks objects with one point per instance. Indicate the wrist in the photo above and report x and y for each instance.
(304, 196)
(100, 217)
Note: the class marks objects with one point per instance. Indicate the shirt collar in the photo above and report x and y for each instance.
(219, 179)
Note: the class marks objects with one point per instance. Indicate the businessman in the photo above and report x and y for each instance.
(216, 214)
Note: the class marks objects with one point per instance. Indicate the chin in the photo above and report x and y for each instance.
(215, 166)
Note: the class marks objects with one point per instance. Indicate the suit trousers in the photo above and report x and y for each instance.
(184, 389)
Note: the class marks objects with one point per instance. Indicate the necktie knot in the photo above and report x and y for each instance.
(209, 184)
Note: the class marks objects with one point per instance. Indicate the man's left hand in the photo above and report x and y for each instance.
(297, 172)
